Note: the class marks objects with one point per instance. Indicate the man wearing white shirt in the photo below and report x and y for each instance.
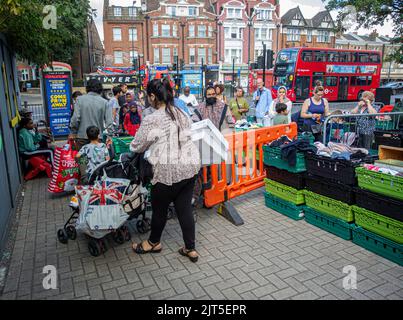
(189, 99)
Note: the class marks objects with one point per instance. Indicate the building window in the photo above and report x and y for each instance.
(155, 30)
(171, 11)
(166, 55)
(24, 75)
(201, 54)
(210, 31)
(156, 55)
(293, 34)
(210, 56)
(132, 11)
(133, 34)
(323, 36)
(117, 34)
(166, 30)
(174, 30)
(191, 30)
(192, 53)
(264, 15)
(201, 31)
(118, 57)
(117, 11)
(309, 36)
(192, 11)
(133, 54)
(234, 13)
(263, 34)
(233, 33)
(231, 54)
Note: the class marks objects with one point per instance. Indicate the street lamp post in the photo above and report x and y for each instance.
(183, 40)
(250, 24)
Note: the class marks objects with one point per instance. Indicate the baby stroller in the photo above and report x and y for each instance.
(112, 185)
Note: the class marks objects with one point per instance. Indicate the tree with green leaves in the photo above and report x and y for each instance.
(22, 23)
(371, 13)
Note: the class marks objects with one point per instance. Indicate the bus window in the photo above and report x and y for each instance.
(359, 81)
(319, 56)
(307, 56)
(344, 57)
(316, 78)
(369, 81)
(363, 57)
(374, 57)
(331, 82)
(354, 57)
(333, 57)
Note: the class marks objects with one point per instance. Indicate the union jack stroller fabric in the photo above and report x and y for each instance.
(114, 195)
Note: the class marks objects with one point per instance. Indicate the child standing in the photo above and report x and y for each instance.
(94, 152)
(132, 120)
(282, 114)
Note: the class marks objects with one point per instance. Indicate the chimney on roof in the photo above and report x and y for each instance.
(373, 35)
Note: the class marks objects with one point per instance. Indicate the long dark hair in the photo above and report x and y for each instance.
(163, 92)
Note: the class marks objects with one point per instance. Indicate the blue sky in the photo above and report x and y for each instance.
(308, 8)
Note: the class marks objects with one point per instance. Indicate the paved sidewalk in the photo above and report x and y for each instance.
(269, 257)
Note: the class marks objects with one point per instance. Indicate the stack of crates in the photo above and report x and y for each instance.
(285, 184)
(330, 194)
(379, 214)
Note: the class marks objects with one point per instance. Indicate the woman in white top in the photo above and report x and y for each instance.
(281, 98)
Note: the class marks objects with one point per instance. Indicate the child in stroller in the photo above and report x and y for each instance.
(124, 176)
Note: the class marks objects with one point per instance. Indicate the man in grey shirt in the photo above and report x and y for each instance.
(90, 110)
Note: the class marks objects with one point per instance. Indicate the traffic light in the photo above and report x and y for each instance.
(174, 66)
(136, 65)
(182, 64)
(269, 59)
(260, 62)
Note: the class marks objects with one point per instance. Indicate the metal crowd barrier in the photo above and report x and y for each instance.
(352, 123)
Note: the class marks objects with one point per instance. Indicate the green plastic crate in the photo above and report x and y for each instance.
(384, 125)
(386, 184)
(308, 136)
(284, 207)
(272, 157)
(386, 227)
(121, 145)
(329, 206)
(384, 247)
(285, 192)
(333, 225)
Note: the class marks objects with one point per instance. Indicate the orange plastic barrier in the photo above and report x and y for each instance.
(245, 172)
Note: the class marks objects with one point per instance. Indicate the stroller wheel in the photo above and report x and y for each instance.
(71, 232)
(147, 222)
(126, 232)
(171, 213)
(119, 236)
(94, 248)
(142, 226)
(62, 236)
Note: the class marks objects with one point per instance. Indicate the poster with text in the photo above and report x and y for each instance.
(57, 87)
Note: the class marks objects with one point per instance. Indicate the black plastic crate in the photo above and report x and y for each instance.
(333, 190)
(389, 207)
(393, 138)
(336, 170)
(295, 180)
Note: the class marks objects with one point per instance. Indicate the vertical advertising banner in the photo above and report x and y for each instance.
(57, 90)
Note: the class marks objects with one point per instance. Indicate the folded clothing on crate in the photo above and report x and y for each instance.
(381, 169)
(340, 151)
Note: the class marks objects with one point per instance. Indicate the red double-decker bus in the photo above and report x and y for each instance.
(345, 74)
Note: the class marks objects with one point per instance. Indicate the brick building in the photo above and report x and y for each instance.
(90, 55)
(298, 31)
(242, 27)
(124, 34)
